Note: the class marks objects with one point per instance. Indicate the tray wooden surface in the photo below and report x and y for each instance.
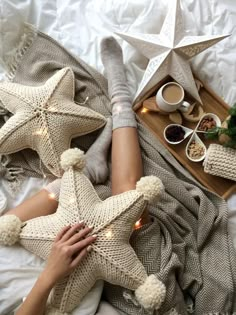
(156, 123)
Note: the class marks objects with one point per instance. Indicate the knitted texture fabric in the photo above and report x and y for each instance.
(112, 257)
(187, 246)
(149, 234)
(220, 161)
(45, 118)
(90, 91)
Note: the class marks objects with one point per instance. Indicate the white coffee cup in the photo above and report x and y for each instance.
(170, 97)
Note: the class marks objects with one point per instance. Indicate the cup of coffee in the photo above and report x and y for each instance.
(170, 97)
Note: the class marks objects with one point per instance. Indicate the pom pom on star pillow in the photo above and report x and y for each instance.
(112, 258)
(45, 118)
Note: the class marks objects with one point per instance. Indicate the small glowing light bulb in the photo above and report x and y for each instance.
(118, 109)
(71, 200)
(144, 110)
(109, 234)
(51, 196)
(137, 224)
(52, 109)
(38, 132)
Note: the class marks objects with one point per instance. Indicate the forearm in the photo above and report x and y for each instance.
(35, 302)
(70, 246)
(126, 160)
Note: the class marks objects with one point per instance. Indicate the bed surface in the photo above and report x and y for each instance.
(79, 26)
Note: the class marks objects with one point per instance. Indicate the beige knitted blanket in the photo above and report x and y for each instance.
(187, 245)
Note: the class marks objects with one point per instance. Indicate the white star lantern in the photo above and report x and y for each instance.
(169, 52)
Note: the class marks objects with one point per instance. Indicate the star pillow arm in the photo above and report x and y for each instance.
(45, 118)
(112, 258)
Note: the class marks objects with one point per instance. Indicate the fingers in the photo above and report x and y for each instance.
(79, 235)
(62, 232)
(71, 231)
(82, 254)
(79, 246)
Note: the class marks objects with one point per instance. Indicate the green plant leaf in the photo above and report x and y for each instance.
(229, 131)
(213, 134)
(232, 110)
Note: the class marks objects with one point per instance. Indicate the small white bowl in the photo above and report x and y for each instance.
(195, 138)
(187, 133)
(208, 115)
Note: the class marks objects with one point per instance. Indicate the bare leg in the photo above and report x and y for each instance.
(126, 163)
(126, 160)
(36, 206)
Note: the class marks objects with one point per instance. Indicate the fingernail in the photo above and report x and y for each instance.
(95, 235)
(89, 248)
(91, 226)
(81, 222)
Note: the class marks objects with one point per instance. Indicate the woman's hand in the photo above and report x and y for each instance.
(69, 248)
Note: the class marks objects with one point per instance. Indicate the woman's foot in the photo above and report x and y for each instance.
(96, 168)
(112, 58)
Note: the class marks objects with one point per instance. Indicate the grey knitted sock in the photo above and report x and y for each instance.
(112, 58)
(96, 168)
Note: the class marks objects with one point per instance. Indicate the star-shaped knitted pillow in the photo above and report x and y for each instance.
(45, 118)
(112, 258)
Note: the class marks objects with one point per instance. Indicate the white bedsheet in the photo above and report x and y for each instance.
(79, 25)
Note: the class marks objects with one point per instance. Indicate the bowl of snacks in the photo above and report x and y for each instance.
(175, 133)
(208, 122)
(195, 149)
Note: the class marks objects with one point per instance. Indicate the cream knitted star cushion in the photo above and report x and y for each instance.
(112, 257)
(45, 118)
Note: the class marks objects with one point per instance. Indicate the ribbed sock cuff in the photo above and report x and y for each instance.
(124, 119)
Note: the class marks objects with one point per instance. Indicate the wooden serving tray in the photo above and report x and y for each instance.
(157, 122)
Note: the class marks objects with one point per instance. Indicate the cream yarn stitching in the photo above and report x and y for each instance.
(114, 216)
(45, 118)
(221, 161)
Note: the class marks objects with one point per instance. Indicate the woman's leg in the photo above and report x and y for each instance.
(36, 206)
(127, 165)
(126, 156)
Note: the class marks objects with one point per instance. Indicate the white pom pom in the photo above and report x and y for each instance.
(10, 228)
(151, 294)
(73, 158)
(151, 187)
